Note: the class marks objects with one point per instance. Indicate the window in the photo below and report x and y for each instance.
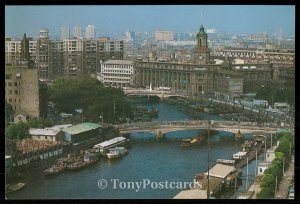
(7, 76)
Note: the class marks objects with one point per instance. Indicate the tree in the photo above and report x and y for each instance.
(265, 193)
(17, 131)
(267, 181)
(91, 96)
(21, 130)
(39, 123)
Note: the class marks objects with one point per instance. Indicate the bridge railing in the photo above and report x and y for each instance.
(157, 124)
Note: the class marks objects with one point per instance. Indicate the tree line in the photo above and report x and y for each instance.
(275, 170)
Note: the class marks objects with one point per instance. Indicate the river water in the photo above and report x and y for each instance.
(150, 163)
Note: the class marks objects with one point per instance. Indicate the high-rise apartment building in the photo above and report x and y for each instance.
(64, 32)
(77, 32)
(163, 36)
(90, 32)
(43, 55)
(70, 57)
(23, 89)
(73, 57)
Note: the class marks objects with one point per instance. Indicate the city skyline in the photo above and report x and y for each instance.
(118, 19)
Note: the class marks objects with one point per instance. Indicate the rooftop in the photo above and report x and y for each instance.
(47, 131)
(82, 127)
(60, 127)
(192, 194)
(110, 142)
(118, 62)
(220, 170)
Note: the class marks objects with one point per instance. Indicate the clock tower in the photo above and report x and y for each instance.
(202, 54)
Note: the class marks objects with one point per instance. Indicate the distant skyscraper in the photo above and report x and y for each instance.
(90, 32)
(77, 32)
(163, 35)
(64, 33)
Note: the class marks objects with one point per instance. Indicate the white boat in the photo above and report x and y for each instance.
(116, 152)
(239, 155)
(14, 187)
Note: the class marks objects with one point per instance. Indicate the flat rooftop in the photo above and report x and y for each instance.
(128, 62)
(192, 194)
(220, 170)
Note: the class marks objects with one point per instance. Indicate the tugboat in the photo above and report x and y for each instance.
(79, 164)
(55, 169)
(116, 152)
(90, 159)
(14, 187)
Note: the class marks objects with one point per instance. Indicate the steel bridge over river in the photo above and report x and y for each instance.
(159, 129)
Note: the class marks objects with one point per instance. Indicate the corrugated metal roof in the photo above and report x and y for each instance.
(82, 127)
(60, 127)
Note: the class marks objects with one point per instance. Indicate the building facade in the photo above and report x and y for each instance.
(90, 32)
(201, 76)
(64, 32)
(163, 36)
(117, 73)
(23, 89)
(77, 32)
(69, 57)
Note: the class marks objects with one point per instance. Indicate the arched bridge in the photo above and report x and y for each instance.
(161, 128)
(148, 92)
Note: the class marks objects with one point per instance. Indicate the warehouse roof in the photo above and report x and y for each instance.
(82, 127)
(220, 170)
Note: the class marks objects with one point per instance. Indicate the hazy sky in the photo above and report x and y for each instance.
(117, 19)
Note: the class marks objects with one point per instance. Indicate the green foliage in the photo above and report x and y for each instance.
(89, 94)
(17, 131)
(21, 130)
(265, 193)
(39, 123)
(279, 95)
(267, 183)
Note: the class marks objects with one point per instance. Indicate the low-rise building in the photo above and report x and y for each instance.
(83, 131)
(48, 134)
(21, 117)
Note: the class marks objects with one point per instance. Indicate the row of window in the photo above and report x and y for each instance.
(116, 71)
(118, 75)
(116, 80)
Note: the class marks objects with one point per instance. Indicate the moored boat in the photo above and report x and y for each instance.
(55, 169)
(197, 139)
(116, 152)
(76, 165)
(14, 187)
(239, 155)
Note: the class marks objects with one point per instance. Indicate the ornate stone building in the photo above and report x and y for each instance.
(201, 76)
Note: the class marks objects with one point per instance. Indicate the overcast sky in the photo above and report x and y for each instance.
(117, 19)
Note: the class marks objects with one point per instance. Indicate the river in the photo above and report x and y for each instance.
(149, 161)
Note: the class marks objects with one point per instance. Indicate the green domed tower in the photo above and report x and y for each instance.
(202, 54)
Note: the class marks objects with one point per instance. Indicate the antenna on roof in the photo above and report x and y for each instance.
(201, 18)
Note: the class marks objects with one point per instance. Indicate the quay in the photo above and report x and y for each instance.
(223, 173)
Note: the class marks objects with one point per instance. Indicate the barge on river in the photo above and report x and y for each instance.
(115, 142)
